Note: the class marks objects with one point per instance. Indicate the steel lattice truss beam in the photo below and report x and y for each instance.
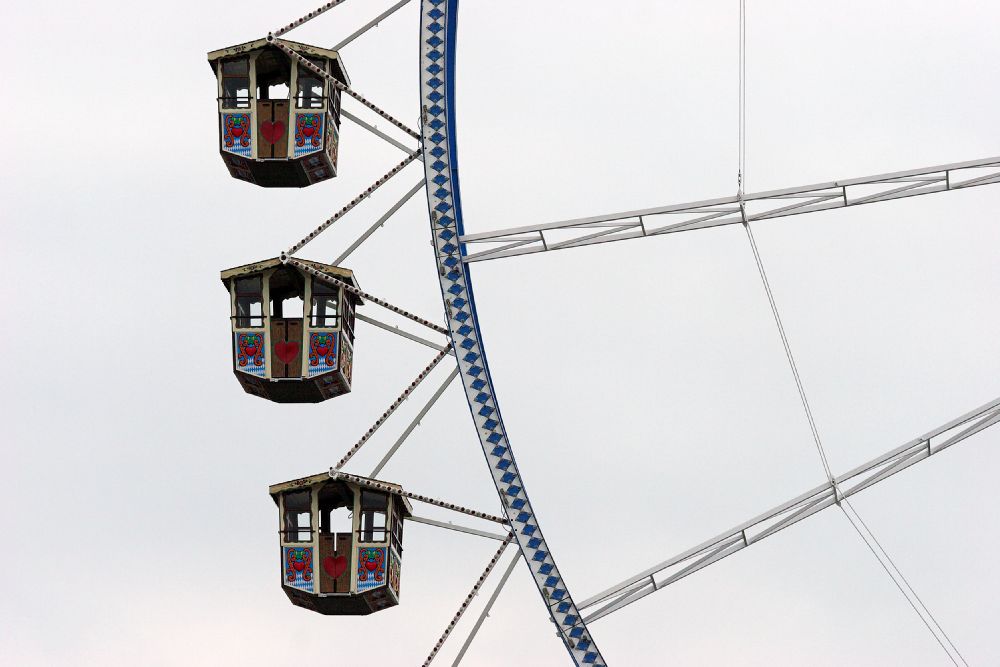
(728, 210)
(750, 532)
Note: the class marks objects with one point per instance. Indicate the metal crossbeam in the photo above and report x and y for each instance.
(728, 210)
(351, 204)
(391, 409)
(486, 611)
(378, 223)
(391, 328)
(371, 24)
(416, 422)
(378, 133)
(451, 526)
(825, 495)
(468, 599)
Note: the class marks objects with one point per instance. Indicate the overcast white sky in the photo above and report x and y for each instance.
(643, 383)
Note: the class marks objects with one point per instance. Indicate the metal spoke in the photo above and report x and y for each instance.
(825, 495)
(486, 611)
(378, 223)
(416, 421)
(727, 210)
(392, 408)
(351, 204)
(461, 529)
(468, 599)
(371, 24)
(378, 133)
(400, 332)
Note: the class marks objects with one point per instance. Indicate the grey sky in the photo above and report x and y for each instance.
(643, 383)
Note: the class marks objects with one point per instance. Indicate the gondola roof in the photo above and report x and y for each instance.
(298, 47)
(312, 480)
(338, 272)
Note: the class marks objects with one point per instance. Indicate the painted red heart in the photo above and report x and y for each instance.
(287, 351)
(299, 565)
(308, 130)
(272, 131)
(237, 131)
(371, 566)
(334, 565)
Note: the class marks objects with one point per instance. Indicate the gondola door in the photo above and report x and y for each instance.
(336, 507)
(272, 129)
(335, 563)
(286, 347)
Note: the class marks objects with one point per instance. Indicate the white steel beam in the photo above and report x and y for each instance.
(378, 133)
(371, 24)
(413, 424)
(401, 332)
(388, 413)
(728, 210)
(486, 611)
(468, 600)
(739, 537)
(378, 223)
(461, 529)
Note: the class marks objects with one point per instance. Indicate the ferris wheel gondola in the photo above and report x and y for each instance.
(293, 333)
(341, 543)
(279, 121)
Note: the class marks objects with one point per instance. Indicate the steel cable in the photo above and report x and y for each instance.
(887, 564)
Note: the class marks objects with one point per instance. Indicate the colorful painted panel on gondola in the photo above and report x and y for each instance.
(237, 133)
(250, 352)
(394, 566)
(371, 567)
(322, 352)
(298, 566)
(346, 360)
(308, 133)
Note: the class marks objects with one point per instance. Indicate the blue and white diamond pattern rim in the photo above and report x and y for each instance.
(437, 91)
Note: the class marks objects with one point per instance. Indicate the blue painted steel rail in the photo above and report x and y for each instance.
(437, 92)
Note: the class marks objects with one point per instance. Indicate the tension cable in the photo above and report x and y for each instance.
(866, 534)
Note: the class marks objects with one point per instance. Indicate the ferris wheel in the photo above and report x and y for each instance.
(341, 533)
